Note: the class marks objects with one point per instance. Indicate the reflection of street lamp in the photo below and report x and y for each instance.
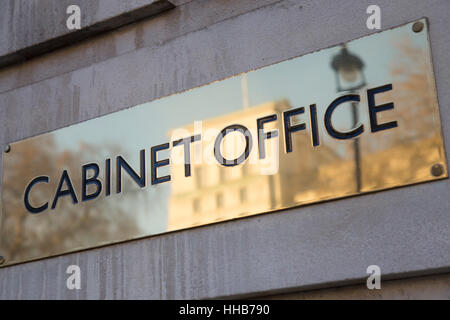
(348, 69)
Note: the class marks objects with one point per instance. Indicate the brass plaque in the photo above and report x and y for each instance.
(342, 121)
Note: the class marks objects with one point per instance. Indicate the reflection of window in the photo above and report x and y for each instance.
(243, 195)
(198, 176)
(196, 205)
(219, 200)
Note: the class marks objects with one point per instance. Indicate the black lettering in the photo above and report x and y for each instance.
(107, 177)
(157, 164)
(139, 179)
(92, 180)
(243, 156)
(328, 123)
(314, 125)
(373, 109)
(288, 128)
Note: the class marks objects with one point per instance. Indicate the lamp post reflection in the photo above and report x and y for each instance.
(350, 77)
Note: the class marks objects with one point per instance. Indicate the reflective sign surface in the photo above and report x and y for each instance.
(343, 121)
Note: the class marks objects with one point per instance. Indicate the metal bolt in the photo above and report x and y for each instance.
(417, 26)
(7, 148)
(2, 260)
(437, 170)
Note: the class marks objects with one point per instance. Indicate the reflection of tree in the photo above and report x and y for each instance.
(413, 97)
(69, 226)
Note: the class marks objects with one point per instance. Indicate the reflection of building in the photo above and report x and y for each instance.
(215, 193)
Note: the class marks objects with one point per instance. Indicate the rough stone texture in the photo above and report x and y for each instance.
(29, 28)
(405, 231)
(423, 288)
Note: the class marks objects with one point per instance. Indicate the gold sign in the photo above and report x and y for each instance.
(343, 121)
